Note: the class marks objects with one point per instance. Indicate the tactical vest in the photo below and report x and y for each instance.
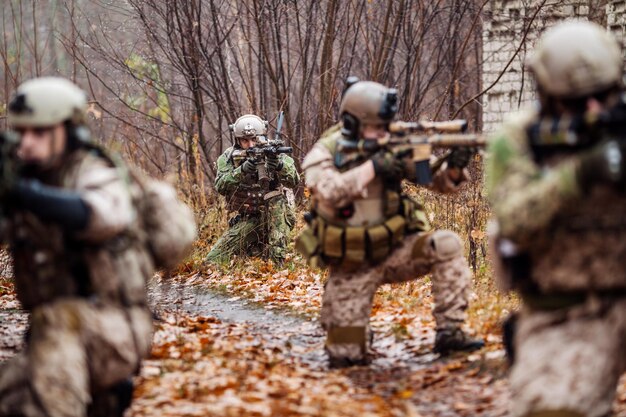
(584, 247)
(250, 198)
(335, 238)
(50, 264)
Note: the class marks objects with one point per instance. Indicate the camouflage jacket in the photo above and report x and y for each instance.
(574, 241)
(243, 192)
(357, 184)
(104, 261)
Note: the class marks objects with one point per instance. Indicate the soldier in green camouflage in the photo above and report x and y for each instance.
(255, 190)
(556, 184)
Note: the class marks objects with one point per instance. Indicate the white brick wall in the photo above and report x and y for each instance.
(503, 31)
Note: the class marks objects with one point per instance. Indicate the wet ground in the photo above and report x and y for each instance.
(303, 336)
(404, 378)
(218, 354)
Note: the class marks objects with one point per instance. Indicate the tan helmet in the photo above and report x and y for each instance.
(47, 101)
(367, 102)
(249, 125)
(575, 59)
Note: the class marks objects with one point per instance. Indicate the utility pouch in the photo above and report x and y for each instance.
(379, 242)
(415, 216)
(355, 244)
(392, 203)
(333, 241)
(307, 243)
(396, 226)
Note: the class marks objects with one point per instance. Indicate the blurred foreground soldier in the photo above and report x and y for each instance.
(253, 176)
(369, 233)
(556, 180)
(80, 261)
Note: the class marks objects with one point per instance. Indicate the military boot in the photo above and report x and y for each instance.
(112, 402)
(454, 339)
(338, 363)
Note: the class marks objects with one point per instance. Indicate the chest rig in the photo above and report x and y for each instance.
(251, 195)
(50, 263)
(583, 247)
(333, 241)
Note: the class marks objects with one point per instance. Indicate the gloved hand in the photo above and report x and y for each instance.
(248, 167)
(273, 163)
(461, 157)
(388, 166)
(605, 163)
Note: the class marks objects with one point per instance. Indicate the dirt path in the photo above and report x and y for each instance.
(226, 356)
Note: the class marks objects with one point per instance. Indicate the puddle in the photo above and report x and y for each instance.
(303, 338)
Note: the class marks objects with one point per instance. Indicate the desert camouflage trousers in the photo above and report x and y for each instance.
(569, 360)
(75, 349)
(348, 295)
(265, 234)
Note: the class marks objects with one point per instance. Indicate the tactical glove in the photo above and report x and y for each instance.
(388, 166)
(460, 157)
(52, 204)
(248, 167)
(273, 163)
(605, 163)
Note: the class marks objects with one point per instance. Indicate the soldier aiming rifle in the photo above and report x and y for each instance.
(253, 175)
(368, 232)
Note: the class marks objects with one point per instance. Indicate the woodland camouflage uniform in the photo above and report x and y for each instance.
(384, 238)
(561, 238)
(264, 218)
(84, 286)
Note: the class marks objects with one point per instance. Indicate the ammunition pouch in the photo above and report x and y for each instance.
(412, 211)
(323, 243)
(246, 201)
(251, 201)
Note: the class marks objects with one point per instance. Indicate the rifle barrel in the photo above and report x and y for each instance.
(444, 140)
(446, 126)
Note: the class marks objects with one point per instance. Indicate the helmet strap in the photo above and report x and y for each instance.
(350, 126)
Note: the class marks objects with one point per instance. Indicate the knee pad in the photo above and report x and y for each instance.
(446, 245)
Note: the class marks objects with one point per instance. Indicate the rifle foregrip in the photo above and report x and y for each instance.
(284, 149)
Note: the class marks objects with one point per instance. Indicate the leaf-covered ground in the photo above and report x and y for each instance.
(202, 365)
(244, 341)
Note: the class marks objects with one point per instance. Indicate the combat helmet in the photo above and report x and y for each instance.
(366, 102)
(45, 102)
(249, 125)
(575, 59)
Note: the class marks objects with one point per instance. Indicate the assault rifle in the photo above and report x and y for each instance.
(418, 140)
(580, 131)
(268, 148)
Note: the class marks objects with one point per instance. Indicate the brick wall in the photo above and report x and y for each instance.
(504, 29)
